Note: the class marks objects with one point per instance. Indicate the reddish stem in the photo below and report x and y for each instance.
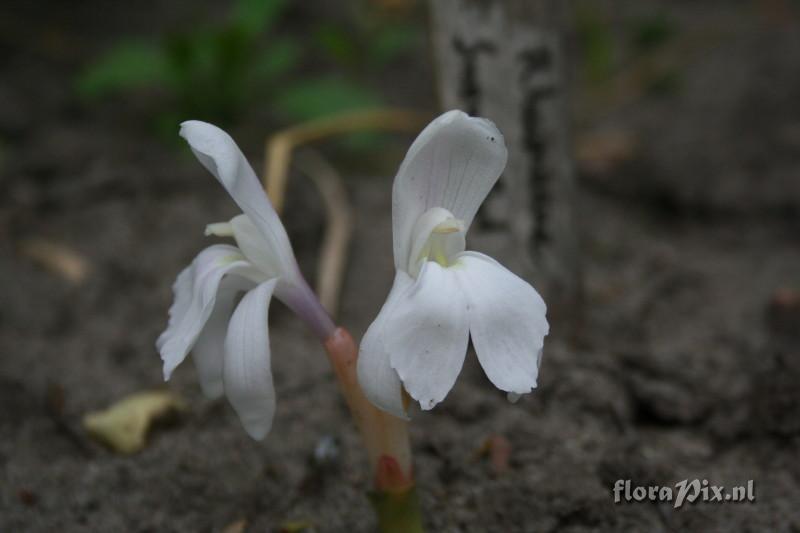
(385, 436)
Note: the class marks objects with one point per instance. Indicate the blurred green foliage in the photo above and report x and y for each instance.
(597, 42)
(216, 72)
(608, 47)
(369, 42)
(651, 32)
(321, 96)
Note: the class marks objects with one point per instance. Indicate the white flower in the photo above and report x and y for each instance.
(230, 342)
(443, 295)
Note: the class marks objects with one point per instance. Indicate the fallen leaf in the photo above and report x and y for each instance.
(57, 258)
(125, 424)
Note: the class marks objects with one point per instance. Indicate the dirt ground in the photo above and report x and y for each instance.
(682, 363)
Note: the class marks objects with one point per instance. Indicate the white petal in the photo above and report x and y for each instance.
(426, 335)
(208, 351)
(219, 154)
(248, 376)
(453, 164)
(377, 378)
(182, 291)
(507, 321)
(195, 295)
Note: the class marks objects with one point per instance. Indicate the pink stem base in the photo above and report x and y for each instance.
(385, 436)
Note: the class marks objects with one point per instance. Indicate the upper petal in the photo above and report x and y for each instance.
(247, 372)
(378, 380)
(195, 296)
(217, 151)
(453, 164)
(507, 321)
(426, 335)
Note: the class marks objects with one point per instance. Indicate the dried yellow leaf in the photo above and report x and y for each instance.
(125, 424)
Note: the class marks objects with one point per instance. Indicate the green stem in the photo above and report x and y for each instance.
(397, 511)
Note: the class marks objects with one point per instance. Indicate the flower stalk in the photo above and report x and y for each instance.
(397, 512)
(385, 437)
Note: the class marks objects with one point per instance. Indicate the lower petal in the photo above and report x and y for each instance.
(247, 372)
(507, 321)
(208, 351)
(377, 378)
(426, 335)
(195, 297)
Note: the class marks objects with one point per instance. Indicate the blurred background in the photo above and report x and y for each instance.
(678, 359)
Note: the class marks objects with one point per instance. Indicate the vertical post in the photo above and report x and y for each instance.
(503, 60)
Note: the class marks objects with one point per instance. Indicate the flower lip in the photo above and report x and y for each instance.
(451, 225)
(438, 235)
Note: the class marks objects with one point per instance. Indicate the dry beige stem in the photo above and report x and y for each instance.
(279, 150)
(279, 146)
(333, 252)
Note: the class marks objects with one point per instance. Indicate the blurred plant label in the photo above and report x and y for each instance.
(503, 61)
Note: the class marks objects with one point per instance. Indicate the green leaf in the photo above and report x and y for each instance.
(337, 43)
(279, 57)
(665, 83)
(325, 96)
(126, 66)
(650, 33)
(392, 41)
(256, 16)
(597, 43)
(191, 55)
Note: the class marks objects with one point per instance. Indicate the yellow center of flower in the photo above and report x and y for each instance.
(438, 236)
